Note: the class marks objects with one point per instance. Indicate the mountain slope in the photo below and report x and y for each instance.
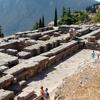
(19, 15)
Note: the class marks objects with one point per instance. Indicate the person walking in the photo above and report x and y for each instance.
(41, 93)
(93, 55)
(98, 55)
(46, 95)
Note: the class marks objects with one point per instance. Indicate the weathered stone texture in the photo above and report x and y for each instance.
(6, 80)
(8, 60)
(6, 95)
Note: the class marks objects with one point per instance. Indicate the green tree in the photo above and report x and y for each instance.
(40, 23)
(67, 17)
(83, 16)
(43, 22)
(64, 11)
(35, 26)
(1, 34)
(97, 16)
(55, 17)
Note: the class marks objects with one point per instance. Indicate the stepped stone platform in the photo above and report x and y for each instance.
(27, 59)
(7, 60)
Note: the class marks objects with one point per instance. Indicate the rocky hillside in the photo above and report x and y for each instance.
(84, 85)
(19, 15)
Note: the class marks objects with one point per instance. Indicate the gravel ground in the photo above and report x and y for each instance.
(52, 77)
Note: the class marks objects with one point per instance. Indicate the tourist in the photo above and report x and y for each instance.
(98, 55)
(93, 55)
(46, 94)
(41, 93)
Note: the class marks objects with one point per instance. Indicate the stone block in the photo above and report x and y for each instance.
(6, 80)
(56, 34)
(6, 95)
(34, 49)
(2, 50)
(34, 35)
(11, 52)
(92, 39)
(45, 37)
(3, 68)
(24, 55)
(8, 60)
(30, 42)
(26, 93)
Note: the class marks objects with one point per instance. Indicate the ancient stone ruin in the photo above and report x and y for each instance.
(25, 54)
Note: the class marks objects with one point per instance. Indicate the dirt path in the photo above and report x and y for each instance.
(52, 77)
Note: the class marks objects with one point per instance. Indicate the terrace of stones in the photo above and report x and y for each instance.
(26, 54)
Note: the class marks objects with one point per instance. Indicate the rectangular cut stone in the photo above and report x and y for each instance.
(50, 32)
(6, 95)
(61, 48)
(8, 60)
(34, 49)
(24, 55)
(34, 35)
(2, 50)
(26, 94)
(11, 52)
(42, 62)
(9, 44)
(3, 68)
(45, 37)
(45, 29)
(95, 33)
(47, 54)
(24, 70)
(83, 31)
(6, 80)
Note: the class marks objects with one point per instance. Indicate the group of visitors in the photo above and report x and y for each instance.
(44, 95)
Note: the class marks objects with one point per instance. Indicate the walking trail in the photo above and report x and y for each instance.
(52, 77)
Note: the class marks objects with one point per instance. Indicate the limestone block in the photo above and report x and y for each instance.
(49, 32)
(83, 31)
(17, 71)
(6, 80)
(95, 33)
(47, 54)
(92, 39)
(11, 52)
(24, 55)
(22, 83)
(43, 48)
(52, 61)
(42, 62)
(31, 68)
(45, 37)
(56, 34)
(3, 68)
(8, 60)
(6, 95)
(2, 50)
(34, 35)
(26, 93)
(64, 28)
(45, 29)
(34, 49)
(30, 42)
